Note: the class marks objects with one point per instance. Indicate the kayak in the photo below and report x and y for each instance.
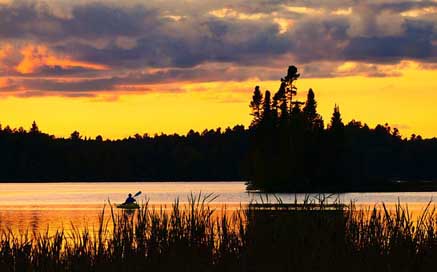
(128, 206)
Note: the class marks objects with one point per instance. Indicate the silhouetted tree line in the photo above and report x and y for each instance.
(286, 148)
(36, 156)
(291, 150)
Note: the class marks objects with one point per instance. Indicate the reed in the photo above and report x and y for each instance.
(313, 236)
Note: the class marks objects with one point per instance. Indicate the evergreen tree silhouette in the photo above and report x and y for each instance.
(310, 108)
(34, 128)
(256, 106)
(313, 120)
(336, 121)
(290, 89)
(267, 110)
(336, 150)
(280, 99)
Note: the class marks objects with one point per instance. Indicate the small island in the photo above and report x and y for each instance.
(293, 151)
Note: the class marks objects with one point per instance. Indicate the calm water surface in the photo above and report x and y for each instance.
(35, 206)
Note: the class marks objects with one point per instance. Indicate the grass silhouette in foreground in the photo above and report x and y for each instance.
(309, 237)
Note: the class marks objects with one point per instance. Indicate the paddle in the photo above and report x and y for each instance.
(137, 194)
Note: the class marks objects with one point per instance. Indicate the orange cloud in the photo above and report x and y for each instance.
(4, 82)
(37, 56)
(5, 50)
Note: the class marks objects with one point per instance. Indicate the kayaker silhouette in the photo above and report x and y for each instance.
(129, 199)
(130, 203)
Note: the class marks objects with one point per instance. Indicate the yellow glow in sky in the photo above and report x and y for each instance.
(406, 101)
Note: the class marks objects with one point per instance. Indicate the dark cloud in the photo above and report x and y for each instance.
(59, 71)
(209, 41)
(402, 6)
(37, 21)
(87, 85)
(415, 43)
(320, 39)
(100, 20)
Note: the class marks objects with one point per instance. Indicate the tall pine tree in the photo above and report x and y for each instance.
(336, 122)
(312, 118)
(34, 129)
(267, 110)
(256, 106)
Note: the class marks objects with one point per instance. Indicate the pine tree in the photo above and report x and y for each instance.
(310, 108)
(256, 105)
(274, 110)
(336, 122)
(267, 110)
(290, 89)
(34, 129)
(336, 148)
(313, 119)
(280, 99)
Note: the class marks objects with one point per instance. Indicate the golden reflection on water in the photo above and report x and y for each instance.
(68, 217)
(41, 218)
(37, 207)
(65, 217)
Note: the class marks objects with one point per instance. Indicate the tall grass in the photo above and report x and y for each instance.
(259, 237)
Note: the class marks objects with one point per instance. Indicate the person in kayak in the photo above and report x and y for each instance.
(129, 199)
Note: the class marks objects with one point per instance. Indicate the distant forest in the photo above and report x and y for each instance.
(210, 155)
(287, 148)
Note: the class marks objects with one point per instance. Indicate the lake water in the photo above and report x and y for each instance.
(35, 206)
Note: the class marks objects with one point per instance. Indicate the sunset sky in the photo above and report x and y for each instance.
(116, 68)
